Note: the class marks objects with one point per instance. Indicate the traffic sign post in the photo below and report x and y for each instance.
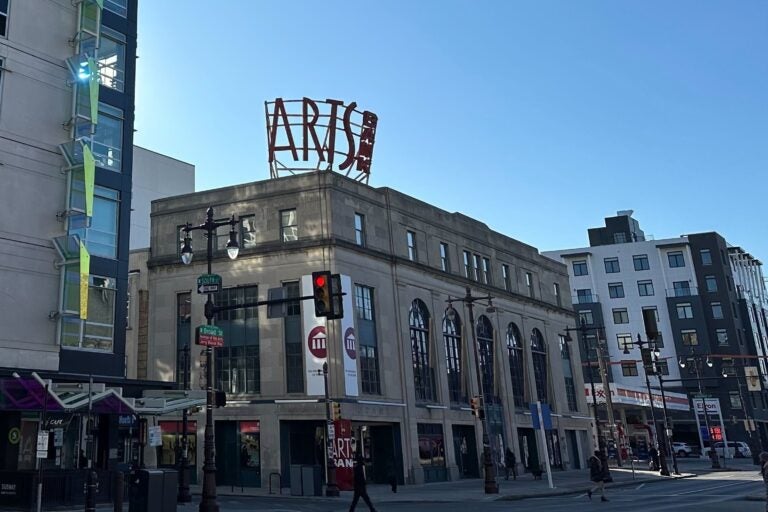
(209, 283)
(209, 336)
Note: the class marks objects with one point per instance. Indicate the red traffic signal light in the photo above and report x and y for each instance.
(321, 292)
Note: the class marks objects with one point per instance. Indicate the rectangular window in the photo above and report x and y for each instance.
(675, 259)
(476, 266)
(706, 257)
(108, 138)
(529, 283)
(101, 236)
(682, 288)
(486, 271)
(616, 290)
(119, 7)
(507, 279)
(183, 336)
(684, 310)
(445, 262)
(620, 238)
(625, 341)
(586, 317)
(717, 311)
(662, 367)
(294, 353)
(735, 399)
(629, 368)
(611, 265)
(3, 18)
(641, 262)
(111, 59)
(410, 237)
(97, 332)
(570, 387)
(735, 310)
(467, 265)
(360, 229)
(556, 291)
(645, 288)
(711, 283)
(289, 225)
(367, 340)
(237, 363)
(722, 336)
(431, 444)
(690, 338)
(620, 316)
(584, 296)
(580, 268)
(248, 232)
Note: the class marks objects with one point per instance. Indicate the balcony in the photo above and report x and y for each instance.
(686, 291)
(585, 298)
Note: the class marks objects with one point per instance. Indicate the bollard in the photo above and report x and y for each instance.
(90, 491)
(119, 491)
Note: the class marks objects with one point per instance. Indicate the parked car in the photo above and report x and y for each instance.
(682, 449)
(736, 449)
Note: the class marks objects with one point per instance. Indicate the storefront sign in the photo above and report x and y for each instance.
(713, 406)
(344, 454)
(14, 435)
(54, 421)
(307, 130)
(350, 340)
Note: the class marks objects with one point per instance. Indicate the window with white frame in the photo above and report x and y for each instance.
(641, 262)
(616, 290)
(289, 225)
(410, 237)
(675, 259)
(625, 341)
(476, 266)
(645, 288)
(467, 265)
(360, 229)
(620, 316)
(506, 277)
(445, 262)
(611, 265)
(98, 330)
(556, 291)
(529, 283)
(684, 310)
(248, 232)
(486, 271)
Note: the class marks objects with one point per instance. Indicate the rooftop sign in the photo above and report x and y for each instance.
(309, 135)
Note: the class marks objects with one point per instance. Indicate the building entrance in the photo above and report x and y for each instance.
(465, 451)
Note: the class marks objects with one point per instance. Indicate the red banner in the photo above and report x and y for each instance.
(343, 454)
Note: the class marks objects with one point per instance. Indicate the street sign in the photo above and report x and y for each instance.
(42, 444)
(209, 336)
(155, 436)
(331, 432)
(209, 283)
(546, 415)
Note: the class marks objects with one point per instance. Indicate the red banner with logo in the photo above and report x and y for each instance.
(343, 454)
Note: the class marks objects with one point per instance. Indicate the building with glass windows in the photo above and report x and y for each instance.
(402, 361)
(709, 301)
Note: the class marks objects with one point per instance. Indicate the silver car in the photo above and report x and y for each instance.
(682, 449)
(736, 449)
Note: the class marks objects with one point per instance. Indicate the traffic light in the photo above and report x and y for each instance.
(337, 307)
(336, 410)
(476, 403)
(321, 291)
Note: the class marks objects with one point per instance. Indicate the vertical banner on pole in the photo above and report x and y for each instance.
(315, 342)
(349, 339)
(343, 454)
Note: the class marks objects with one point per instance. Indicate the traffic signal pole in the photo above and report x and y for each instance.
(331, 488)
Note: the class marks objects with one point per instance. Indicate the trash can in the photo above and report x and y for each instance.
(311, 483)
(146, 491)
(296, 485)
(170, 490)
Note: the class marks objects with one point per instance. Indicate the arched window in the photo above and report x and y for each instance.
(423, 375)
(539, 353)
(516, 364)
(485, 349)
(452, 340)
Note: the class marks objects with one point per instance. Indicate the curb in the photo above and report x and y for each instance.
(566, 492)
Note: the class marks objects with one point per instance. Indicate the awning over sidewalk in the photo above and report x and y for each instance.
(638, 396)
(32, 393)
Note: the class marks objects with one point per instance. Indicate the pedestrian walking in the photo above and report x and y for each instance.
(597, 476)
(607, 478)
(654, 454)
(510, 464)
(764, 473)
(359, 485)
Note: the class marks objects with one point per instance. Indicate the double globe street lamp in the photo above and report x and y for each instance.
(696, 361)
(208, 502)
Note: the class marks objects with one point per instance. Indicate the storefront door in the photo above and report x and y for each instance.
(465, 451)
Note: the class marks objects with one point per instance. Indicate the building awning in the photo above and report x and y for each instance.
(32, 393)
(638, 396)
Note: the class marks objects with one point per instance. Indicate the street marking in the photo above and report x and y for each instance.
(639, 487)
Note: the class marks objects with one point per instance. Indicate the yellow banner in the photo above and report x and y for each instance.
(89, 172)
(85, 271)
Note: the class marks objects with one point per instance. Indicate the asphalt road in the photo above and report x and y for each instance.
(714, 492)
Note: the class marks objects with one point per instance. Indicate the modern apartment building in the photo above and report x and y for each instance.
(704, 294)
(405, 375)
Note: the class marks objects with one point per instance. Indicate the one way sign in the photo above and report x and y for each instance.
(209, 283)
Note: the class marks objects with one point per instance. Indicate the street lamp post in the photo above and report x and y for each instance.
(754, 443)
(331, 487)
(490, 485)
(696, 361)
(184, 496)
(208, 502)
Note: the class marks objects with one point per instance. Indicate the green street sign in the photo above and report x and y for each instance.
(209, 283)
(209, 336)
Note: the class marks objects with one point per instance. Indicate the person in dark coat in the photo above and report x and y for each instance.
(359, 485)
(654, 454)
(392, 475)
(510, 464)
(597, 475)
(606, 469)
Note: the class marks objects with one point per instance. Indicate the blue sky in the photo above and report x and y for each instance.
(539, 118)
